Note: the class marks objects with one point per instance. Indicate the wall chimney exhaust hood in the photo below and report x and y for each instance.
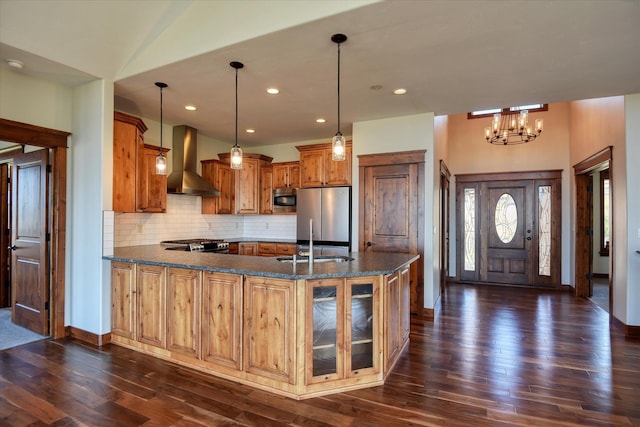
(184, 179)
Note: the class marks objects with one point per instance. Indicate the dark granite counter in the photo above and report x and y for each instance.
(364, 264)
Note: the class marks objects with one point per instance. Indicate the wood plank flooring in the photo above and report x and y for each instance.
(498, 356)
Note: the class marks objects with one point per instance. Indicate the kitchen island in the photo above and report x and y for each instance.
(295, 329)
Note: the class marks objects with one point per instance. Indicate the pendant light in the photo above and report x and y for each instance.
(161, 160)
(236, 152)
(338, 143)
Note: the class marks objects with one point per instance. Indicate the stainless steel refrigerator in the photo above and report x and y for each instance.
(330, 210)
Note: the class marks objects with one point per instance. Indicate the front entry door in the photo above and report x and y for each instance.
(509, 228)
(29, 259)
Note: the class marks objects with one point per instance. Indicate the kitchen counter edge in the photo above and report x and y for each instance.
(364, 263)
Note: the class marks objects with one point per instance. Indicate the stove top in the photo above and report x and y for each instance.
(197, 245)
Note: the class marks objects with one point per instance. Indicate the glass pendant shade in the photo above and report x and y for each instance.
(338, 147)
(236, 157)
(161, 165)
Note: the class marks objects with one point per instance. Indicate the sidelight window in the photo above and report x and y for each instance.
(470, 229)
(544, 230)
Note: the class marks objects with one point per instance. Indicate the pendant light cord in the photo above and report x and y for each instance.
(339, 90)
(236, 144)
(161, 120)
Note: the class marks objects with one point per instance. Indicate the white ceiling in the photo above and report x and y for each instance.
(451, 56)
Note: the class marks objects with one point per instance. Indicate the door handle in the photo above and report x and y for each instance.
(529, 238)
(12, 247)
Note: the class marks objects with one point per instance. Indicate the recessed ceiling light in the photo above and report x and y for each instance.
(400, 91)
(250, 131)
(190, 107)
(320, 120)
(14, 63)
(273, 91)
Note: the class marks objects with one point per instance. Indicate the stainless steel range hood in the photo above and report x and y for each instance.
(184, 179)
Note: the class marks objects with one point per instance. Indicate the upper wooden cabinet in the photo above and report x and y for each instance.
(286, 175)
(266, 190)
(247, 182)
(220, 175)
(317, 169)
(136, 187)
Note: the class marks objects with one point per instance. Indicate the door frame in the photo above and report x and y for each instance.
(445, 208)
(56, 141)
(479, 181)
(584, 223)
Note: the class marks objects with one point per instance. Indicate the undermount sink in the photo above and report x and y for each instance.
(316, 259)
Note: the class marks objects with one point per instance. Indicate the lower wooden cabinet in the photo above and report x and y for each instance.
(222, 319)
(396, 314)
(150, 305)
(245, 248)
(183, 310)
(343, 315)
(267, 249)
(269, 335)
(123, 291)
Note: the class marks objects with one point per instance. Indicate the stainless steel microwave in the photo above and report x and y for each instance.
(284, 200)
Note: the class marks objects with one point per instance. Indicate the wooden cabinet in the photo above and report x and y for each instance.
(285, 249)
(152, 188)
(266, 190)
(220, 175)
(183, 311)
(344, 316)
(136, 187)
(246, 192)
(286, 175)
(150, 305)
(267, 249)
(317, 169)
(123, 291)
(269, 328)
(396, 314)
(245, 248)
(222, 320)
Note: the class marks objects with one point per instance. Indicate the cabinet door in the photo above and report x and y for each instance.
(247, 194)
(222, 319)
(152, 188)
(209, 171)
(285, 248)
(267, 249)
(280, 178)
(294, 175)
(125, 137)
(266, 191)
(248, 249)
(312, 168)
(324, 358)
(392, 321)
(405, 304)
(220, 175)
(183, 311)
(269, 332)
(150, 285)
(123, 290)
(361, 326)
(337, 173)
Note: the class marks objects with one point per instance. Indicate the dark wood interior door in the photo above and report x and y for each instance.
(391, 219)
(508, 232)
(29, 266)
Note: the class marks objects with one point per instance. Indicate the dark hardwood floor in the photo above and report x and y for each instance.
(494, 356)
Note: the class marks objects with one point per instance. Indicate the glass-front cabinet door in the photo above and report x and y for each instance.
(341, 339)
(325, 315)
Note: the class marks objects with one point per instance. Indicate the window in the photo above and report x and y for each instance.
(605, 236)
(490, 112)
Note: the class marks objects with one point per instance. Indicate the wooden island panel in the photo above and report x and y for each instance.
(150, 286)
(183, 310)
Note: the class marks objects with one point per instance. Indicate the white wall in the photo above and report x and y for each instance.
(632, 227)
(401, 134)
(470, 153)
(89, 286)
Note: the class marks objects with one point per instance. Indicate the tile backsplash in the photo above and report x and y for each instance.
(184, 220)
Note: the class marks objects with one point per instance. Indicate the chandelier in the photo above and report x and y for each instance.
(512, 128)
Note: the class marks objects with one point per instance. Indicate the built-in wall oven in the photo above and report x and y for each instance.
(284, 200)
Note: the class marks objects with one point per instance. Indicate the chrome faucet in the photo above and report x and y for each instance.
(309, 253)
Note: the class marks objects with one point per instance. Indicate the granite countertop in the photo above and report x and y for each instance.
(363, 264)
